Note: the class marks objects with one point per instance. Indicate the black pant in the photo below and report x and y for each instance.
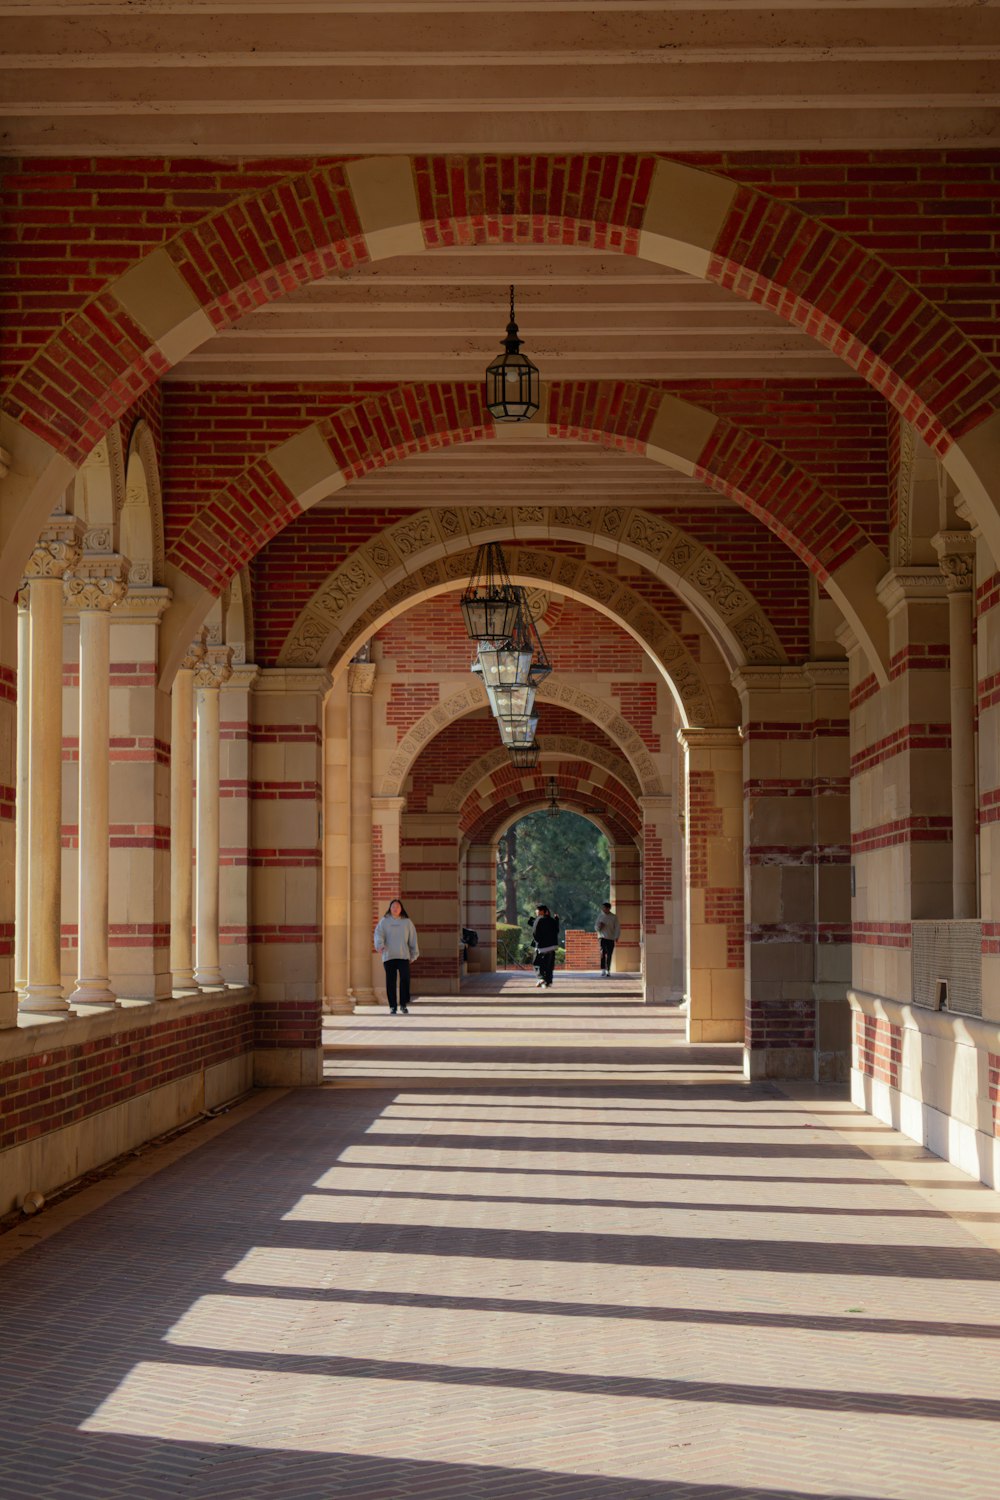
(607, 948)
(545, 964)
(397, 968)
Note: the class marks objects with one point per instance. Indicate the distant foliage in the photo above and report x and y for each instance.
(563, 861)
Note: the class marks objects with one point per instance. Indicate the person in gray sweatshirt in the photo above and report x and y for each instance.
(396, 942)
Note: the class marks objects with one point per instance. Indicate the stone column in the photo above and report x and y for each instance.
(212, 672)
(98, 584)
(8, 803)
(956, 550)
(336, 851)
(429, 887)
(23, 783)
(360, 682)
(713, 820)
(387, 867)
(235, 792)
(657, 898)
(182, 821)
(57, 551)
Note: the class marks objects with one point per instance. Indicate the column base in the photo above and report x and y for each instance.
(778, 1062)
(209, 979)
(365, 997)
(43, 999)
(93, 992)
(183, 983)
(343, 1005)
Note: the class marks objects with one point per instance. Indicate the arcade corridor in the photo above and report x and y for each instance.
(514, 1247)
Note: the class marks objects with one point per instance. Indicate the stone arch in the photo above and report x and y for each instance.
(339, 216)
(98, 494)
(693, 696)
(429, 546)
(392, 425)
(496, 814)
(549, 745)
(470, 699)
(141, 518)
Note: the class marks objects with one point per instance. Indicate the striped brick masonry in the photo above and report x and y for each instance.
(286, 739)
(714, 835)
(796, 857)
(360, 683)
(214, 669)
(236, 792)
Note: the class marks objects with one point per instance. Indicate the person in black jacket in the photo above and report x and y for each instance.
(545, 936)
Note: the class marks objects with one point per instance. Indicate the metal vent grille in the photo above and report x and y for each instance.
(947, 966)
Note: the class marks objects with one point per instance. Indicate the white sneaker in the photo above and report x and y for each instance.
(540, 985)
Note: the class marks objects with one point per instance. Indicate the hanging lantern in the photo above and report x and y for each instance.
(553, 808)
(512, 382)
(511, 702)
(524, 757)
(491, 604)
(518, 731)
(540, 664)
(503, 664)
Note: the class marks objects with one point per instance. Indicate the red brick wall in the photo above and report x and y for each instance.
(583, 949)
(880, 1048)
(68, 1084)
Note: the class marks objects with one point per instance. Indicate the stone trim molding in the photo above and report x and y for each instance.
(917, 585)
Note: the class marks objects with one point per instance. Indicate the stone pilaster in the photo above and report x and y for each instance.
(9, 853)
(360, 683)
(182, 820)
(481, 905)
(234, 829)
(713, 817)
(657, 898)
(430, 892)
(56, 553)
(22, 786)
(957, 553)
(210, 674)
(626, 899)
(286, 740)
(139, 938)
(797, 873)
(336, 851)
(98, 583)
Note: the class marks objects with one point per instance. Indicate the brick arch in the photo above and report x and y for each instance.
(352, 605)
(339, 216)
(471, 699)
(393, 425)
(622, 820)
(551, 745)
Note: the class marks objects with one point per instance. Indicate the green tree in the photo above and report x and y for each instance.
(563, 861)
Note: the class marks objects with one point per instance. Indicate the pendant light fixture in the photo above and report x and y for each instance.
(553, 810)
(518, 731)
(513, 385)
(524, 757)
(491, 604)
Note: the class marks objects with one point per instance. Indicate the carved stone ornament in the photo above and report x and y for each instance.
(216, 667)
(57, 551)
(93, 593)
(956, 552)
(195, 653)
(361, 677)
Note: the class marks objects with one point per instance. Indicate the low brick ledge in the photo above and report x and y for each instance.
(968, 1031)
(36, 1034)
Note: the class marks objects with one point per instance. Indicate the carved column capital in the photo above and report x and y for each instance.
(98, 581)
(215, 668)
(195, 654)
(956, 552)
(57, 550)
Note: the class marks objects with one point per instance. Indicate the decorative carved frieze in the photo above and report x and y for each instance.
(195, 654)
(57, 550)
(98, 581)
(956, 552)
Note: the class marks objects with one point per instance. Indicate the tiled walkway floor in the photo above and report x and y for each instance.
(525, 1247)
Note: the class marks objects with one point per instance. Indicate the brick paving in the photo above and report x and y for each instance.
(520, 1246)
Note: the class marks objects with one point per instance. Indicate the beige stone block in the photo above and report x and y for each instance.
(288, 1067)
(708, 947)
(155, 294)
(684, 215)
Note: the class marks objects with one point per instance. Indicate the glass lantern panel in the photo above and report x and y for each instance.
(518, 731)
(511, 702)
(504, 666)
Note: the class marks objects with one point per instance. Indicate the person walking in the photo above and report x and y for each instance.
(609, 930)
(545, 936)
(396, 942)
